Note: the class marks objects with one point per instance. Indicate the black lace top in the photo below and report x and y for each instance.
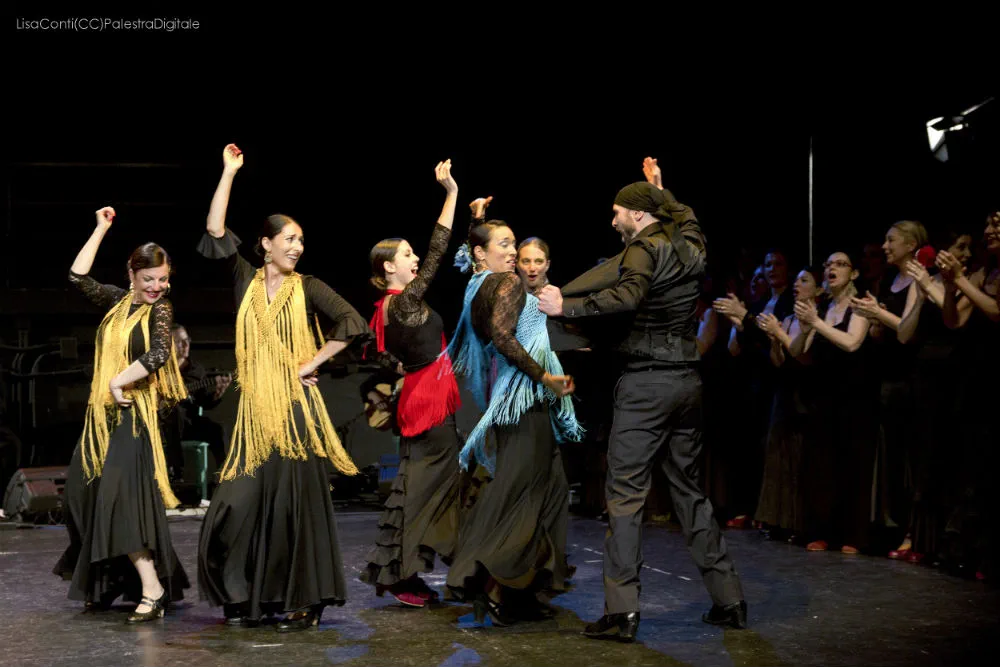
(161, 318)
(343, 322)
(495, 311)
(413, 329)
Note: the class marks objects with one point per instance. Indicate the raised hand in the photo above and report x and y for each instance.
(105, 217)
(561, 385)
(806, 312)
(768, 323)
(951, 268)
(479, 207)
(232, 158)
(652, 171)
(919, 274)
(443, 174)
(730, 306)
(866, 306)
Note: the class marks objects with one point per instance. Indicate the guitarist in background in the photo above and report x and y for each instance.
(185, 421)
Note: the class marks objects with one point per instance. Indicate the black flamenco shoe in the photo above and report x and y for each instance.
(156, 610)
(238, 617)
(103, 604)
(302, 619)
(483, 606)
(733, 616)
(620, 627)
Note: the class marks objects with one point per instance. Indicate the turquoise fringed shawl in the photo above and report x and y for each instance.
(512, 393)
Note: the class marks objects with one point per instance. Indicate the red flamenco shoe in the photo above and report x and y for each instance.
(902, 552)
(980, 576)
(818, 545)
(409, 599)
(738, 522)
(848, 550)
(914, 558)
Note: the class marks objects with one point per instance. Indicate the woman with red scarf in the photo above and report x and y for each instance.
(421, 514)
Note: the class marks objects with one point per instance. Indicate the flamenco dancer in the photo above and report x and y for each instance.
(657, 399)
(269, 541)
(512, 543)
(421, 513)
(117, 489)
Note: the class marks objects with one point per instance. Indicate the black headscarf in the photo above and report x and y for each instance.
(648, 198)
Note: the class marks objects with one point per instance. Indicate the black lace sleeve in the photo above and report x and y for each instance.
(503, 298)
(409, 308)
(345, 324)
(159, 336)
(99, 294)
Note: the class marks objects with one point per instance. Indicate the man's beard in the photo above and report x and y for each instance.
(627, 234)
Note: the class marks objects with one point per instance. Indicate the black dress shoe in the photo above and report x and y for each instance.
(733, 616)
(484, 606)
(301, 620)
(622, 627)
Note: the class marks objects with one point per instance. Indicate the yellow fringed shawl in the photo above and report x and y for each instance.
(165, 386)
(273, 340)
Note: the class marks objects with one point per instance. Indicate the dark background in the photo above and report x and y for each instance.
(342, 123)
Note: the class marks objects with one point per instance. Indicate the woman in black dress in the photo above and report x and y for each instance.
(269, 540)
(421, 513)
(973, 304)
(840, 460)
(749, 342)
(117, 489)
(781, 506)
(512, 542)
(896, 366)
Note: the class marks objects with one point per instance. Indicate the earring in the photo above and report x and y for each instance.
(167, 290)
(130, 286)
(267, 257)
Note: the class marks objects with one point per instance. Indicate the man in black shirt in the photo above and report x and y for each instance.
(657, 399)
(186, 421)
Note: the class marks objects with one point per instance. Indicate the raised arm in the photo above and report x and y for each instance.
(101, 295)
(85, 258)
(232, 158)
(409, 301)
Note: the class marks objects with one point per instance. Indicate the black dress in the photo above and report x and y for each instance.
(269, 541)
(122, 511)
(746, 453)
(421, 513)
(793, 424)
(840, 459)
(896, 455)
(516, 527)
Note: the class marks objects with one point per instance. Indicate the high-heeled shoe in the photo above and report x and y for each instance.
(156, 609)
(102, 604)
(902, 551)
(483, 606)
(302, 619)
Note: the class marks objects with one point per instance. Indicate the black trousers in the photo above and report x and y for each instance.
(656, 409)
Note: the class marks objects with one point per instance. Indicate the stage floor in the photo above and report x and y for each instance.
(805, 609)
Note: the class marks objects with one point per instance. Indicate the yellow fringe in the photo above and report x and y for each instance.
(165, 386)
(272, 342)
